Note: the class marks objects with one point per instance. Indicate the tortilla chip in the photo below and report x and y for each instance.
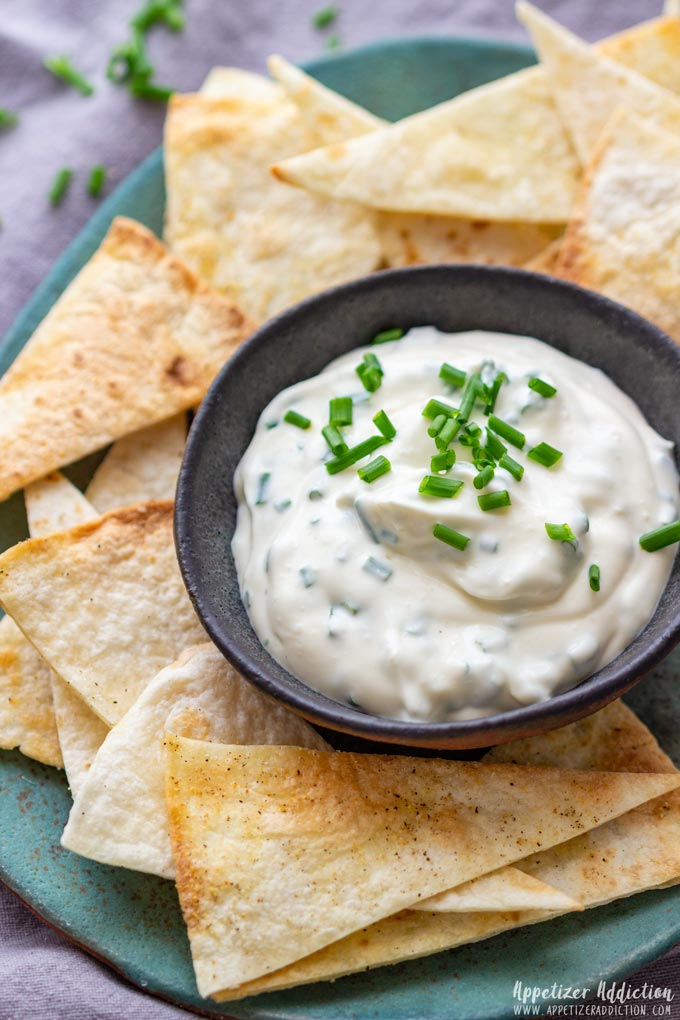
(103, 603)
(503, 890)
(134, 339)
(235, 83)
(262, 244)
(546, 260)
(81, 732)
(141, 466)
(624, 238)
(120, 816)
(281, 851)
(589, 87)
(54, 504)
(651, 48)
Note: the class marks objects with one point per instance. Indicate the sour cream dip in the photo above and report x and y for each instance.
(349, 589)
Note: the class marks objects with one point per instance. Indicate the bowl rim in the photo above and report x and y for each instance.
(586, 697)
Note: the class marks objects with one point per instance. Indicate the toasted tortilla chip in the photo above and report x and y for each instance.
(503, 890)
(546, 261)
(54, 504)
(103, 603)
(624, 238)
(281, 851)
(258, 242)
(651, 48)
(81, 732)
(119, 815)
(590, 87)
(135, 339)
(235, 83)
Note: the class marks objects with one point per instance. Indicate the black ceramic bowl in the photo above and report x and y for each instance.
(639, 358)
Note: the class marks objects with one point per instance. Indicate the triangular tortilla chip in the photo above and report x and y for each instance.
(258, 242)
(281, 851)
(546, 261)
(624, 238)
(651, 48)
(54, 504)
(120, 816)
(589, 87)
(235, 83)
(134, 339)
(503, 890)
(103, 603)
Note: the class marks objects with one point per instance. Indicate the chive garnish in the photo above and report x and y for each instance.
(370, 377)
(443, 461)
(340, 411)
(388, 334)
(155, 11)
(314, 495)
(507, 432)
(452, 376)
(7, 119)
(484, 477)
(494, 445)
(96, 180)
(374, 469)
(282, 505)
(470, 434)
(481, 458)
(262, 488)
(447, 434)
(60, 186)
(61, 67)
(148, 90)
(334, 439)
(661, 537)
(129, 62)
(594, 576)
(560, 533)
(435, 407)
(324, 17)
(354, 454)
(473, 388)
(493, 392)
(444, 488)
(515, 469)
(308, 576)
(293, 418)
(384, 425)
(494, 500)
(545, 454)
(437, 425)
(542, 387)
(333, 42)
(451, 537)
(378, 569)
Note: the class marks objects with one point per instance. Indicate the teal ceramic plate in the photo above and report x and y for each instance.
(132, 921)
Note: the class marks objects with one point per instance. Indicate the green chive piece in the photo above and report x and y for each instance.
(481, 480)
(61, 67)
(560, 533)
(372, 362)
(155, 11)
(293, 418)
(96, 180)
(545, 454)
(324, 17)
(444, 488)
(451, 537)
(593, 573)
(545, 390)
(384, 425)
(661, 537)
(437, 425)
(494, 500)
(262, 488)
(443, 461)
(7, 119)
(374, 469)
(354, 454)
(308, 576)
(60, 186)
(447, 434)
(434, 407)
(507, 432)
(481, 458)
(149, 90)
(334, 439)
(494, 445)
(333, 42)
(473, 389)
(386, 335)
(515, 469)
(340, 411)
(129, 62)
(370, 377)
(378, 569)
(493, 392)
(470, 434)
(452, 376)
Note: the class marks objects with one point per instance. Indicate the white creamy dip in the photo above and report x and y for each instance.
(347, 587)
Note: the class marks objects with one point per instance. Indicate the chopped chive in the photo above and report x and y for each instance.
(282, 505)
(515, 469)
(661, 537)
(333, 42)
(473, 388)
(494, 500)
(443, 461)
(507, 432)
(470, 434)
(388, 334)
(378, 569)
(444, 488)
(372, 362)
(270, 424)
(96, 180)
(263, 488)
(149, 90)
(155, 11)
(8, 119)
(494, 445)
(324, 17)
(560, 533)
(340, 411)
(452, 376)
(435, 407)
(351, 607)
(447, 434)
(293, 418)
(484, 477)
(593, 573)
(371, 378)
(129, 62)
(334, 439)
(384, 425)
(493, 392)
(308, 576)
(544, 388)
(60, 186)
(545, 454)
(314, 495)
(61, 67)
(374, 469)
(437, 425)
(481, 458)
(354, 454)
(451, 537)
